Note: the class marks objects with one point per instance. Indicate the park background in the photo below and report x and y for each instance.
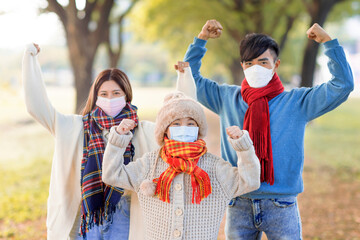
(145, 38)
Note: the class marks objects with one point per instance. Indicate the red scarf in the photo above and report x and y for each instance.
(257, 122)
(183, 157)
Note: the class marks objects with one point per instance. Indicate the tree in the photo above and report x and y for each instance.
(85, 30)
(177, 21)
(115, 50)
(318, 11)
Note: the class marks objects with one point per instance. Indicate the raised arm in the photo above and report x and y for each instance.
(114, 172)
(36, 99)
(209, 93)
(327, 96)
(246, 176)
(185, 82)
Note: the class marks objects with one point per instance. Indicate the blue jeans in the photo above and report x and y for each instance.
(118, 229)
(248, 218)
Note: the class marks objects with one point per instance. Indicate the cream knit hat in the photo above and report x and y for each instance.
(178, 105)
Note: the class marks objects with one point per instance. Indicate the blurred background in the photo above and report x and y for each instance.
(145, 38)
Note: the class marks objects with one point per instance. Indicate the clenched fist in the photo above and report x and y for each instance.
(125, 126)
(318, 34)
(234, 132)
(181, 65)
(37, 47)
(211, 29)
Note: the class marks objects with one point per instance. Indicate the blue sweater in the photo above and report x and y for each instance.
(290, 111)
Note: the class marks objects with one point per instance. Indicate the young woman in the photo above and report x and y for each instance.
(78, 199)
(182, 189)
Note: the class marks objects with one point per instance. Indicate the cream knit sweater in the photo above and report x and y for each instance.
(64, 192)
(180, 219)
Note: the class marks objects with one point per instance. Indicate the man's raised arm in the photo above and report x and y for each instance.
(209, 93)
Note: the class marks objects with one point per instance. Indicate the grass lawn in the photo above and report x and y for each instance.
(332, 141)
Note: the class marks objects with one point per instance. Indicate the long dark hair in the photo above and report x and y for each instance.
(108, 74)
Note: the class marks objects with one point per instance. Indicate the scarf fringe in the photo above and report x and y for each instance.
(89, 220)
(201, 187)
(261, 150)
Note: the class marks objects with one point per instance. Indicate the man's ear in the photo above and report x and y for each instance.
(277, 64)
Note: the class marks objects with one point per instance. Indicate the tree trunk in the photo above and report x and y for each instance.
(309, 63)
(237, 73)
(113, 53)
(83, 74)
(81, 54)
(114, 60)
(319, 10)
(82, 41)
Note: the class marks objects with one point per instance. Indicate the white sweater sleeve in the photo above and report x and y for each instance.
(246, 176)
(185, 83)
(36, 99)
(114, 172)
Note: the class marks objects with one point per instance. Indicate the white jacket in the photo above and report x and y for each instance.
(65, 192)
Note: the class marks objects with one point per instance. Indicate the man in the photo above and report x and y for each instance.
(276, 121)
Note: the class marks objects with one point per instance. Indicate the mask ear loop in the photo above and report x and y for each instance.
(147, 187)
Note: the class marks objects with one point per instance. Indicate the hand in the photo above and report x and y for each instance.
(318, 34)
(234, 132)
(211, 29)
(37, 47)
(181, 65)
(125, 126)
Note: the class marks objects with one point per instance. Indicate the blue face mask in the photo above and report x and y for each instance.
(184, 133)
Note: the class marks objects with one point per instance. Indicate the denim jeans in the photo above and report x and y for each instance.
(248, 218)
(118, 229)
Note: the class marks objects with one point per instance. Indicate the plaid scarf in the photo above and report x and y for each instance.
(183, 157)
(257, 122)
(98, 199)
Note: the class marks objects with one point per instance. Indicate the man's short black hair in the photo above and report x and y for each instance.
(255, 44)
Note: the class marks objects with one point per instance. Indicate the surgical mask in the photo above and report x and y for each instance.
(112, 107)
(258, 76)
(184, 133)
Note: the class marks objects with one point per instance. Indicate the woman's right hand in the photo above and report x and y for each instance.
(181, 65)
(125, 126)
(37, 47)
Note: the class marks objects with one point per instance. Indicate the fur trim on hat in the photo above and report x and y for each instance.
(177, 105)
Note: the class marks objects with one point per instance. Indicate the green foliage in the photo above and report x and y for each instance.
(176, 23)
(333, 139)
(343, 10)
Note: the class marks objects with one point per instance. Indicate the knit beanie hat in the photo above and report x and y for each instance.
(177, 105)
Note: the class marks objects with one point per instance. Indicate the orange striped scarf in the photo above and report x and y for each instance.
(183, 157)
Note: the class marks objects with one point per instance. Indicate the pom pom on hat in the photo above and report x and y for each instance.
(177, 105)
(147, 187)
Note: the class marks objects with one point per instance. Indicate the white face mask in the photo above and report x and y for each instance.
(111, 107)
(184, 133)
(258, 76)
